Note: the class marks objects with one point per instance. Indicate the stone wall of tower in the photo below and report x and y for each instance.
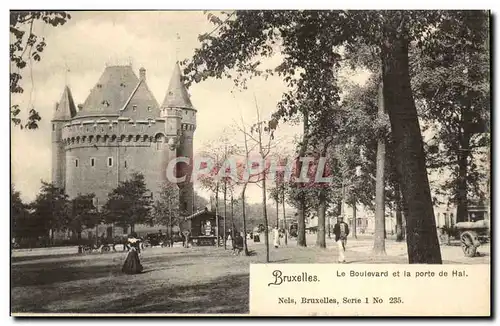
(58, 154)
(188, 126)
(132, 146)
(171, 138)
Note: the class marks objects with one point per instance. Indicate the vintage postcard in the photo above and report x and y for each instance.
(250, 163)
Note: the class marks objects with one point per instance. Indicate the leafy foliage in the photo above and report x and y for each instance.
(23, 224)
(52, 207)
(452, 86)
(129, 203)
(166, 209)
(26, 46)
(84, 214)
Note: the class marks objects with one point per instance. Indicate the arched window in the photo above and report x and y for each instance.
(159, 139)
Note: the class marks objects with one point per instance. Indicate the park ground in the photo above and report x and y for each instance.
(205, 280)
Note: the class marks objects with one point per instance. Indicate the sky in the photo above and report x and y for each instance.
(153, 40)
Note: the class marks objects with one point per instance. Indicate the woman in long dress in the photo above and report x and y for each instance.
(132, 264)
(276, 234)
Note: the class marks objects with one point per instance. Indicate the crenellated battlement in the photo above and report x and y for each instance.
(102, 127)
(113, 140)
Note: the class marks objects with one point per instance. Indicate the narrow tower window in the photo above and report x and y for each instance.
(53, 126)
(76, 162)
(110, 161)
(92, 161)
(125, 164)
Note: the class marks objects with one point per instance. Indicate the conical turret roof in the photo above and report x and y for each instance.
(65, 108)
(177, 95)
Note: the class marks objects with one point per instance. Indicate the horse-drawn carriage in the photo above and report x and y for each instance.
(103, 245)
(90, 246)
(472, 234)
(162, 239)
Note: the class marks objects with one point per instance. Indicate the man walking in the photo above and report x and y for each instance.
(341, 231)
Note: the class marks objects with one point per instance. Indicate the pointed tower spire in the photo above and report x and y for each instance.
(65, 108)
(177, 95)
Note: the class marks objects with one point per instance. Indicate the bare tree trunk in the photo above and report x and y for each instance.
(421, 235)
(243, 210)
(225, 213)
(354, 219)
(379, 244)
(301, 223)
(462, 205)
(399, 216)
(320, 240)
(217, 213)
(329, 227)
(232, 216)
(277, 212)
(301, 227)
(284, 217)
(266, 223)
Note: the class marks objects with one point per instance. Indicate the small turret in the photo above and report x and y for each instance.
(177, 95)
(64, 110)
(177, 100)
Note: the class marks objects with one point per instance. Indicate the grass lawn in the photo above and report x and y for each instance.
(175, 280)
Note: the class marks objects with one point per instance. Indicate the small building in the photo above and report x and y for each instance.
(203, 227)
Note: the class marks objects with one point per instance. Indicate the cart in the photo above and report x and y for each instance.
(472, 234)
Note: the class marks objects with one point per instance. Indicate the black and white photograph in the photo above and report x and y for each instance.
(157, 155)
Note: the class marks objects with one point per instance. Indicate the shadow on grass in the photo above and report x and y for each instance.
(51, 273)
(251, 253)
(226, 294)
(36, 257)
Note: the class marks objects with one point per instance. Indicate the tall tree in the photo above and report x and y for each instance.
(451, 79)
(53, 207)
(84, 214)
(129, 203)
(22, 224)
(244, 181)
(218, 152)
(261, 133)
(26, 46)
(379, 243)
(166, 208)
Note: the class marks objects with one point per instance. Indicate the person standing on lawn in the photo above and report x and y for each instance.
(132, 264)
(276, 235)
(341, 231)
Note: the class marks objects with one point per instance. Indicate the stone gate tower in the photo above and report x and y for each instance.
(120, 129)
(177, 100)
